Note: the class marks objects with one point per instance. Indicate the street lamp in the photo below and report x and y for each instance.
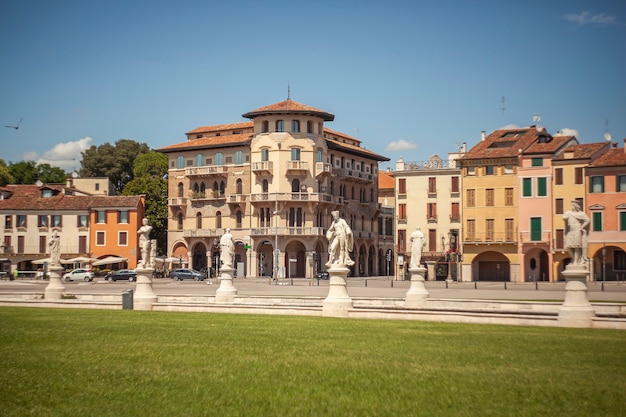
(603, 265)
(276, 252)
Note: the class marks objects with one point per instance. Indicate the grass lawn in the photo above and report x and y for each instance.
(68, 362)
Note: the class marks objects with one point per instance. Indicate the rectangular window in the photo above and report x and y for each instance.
(535, 229)
(57, 220)
(622, 221)
(559, 239)
(489, 229)
(122, 239)
(432, 240)
(558, 176)
(596, 184)
(401, 241)
(455, 212)
(7, 244)
(508, 169)
(489, 170)
(122, 217)
(432, 210)
(265, 154)
(81, 220)
(578, 175)
(20, 244)
(597, 221)
(42, 245)
(455, 184)
(42, 221)
(21, 220)
(402, 186)
(471, 198)
(82, 244)
(620, 183)
(471, 171)
(101, 216)
(100, 239)
(489, 197)
(402, 211)
(432, 185)
(558, 206)
(536, 162)
(509, 230)
(295, 126)
(508, 196)
(8, 222)
(471, 230)
(542, 186)
(527, 188)
(295, 154)
(619, 259)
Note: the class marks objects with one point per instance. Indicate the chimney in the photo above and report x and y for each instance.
(624, 145)
(482, 135)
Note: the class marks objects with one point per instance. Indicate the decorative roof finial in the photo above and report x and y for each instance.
(288, 91)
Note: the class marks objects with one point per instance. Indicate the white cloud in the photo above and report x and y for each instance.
(400, 145)
(566, 131)
(584, 18)
(63, 155)
(509, 126)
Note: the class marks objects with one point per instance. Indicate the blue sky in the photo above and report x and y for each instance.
(408, 79)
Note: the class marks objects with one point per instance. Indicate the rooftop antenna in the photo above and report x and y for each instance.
(607, 135)
(288, 91)
(536, 120)
(503, 108)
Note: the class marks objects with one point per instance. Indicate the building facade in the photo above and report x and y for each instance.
(273, 181)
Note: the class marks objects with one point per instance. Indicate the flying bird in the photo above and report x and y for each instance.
(17, 126)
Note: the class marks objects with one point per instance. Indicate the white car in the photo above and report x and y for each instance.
(79, 274)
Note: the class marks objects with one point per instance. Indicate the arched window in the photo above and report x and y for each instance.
(218, 220)
(180, 162)
(238, 157)
(180, 221)
(219, 158)
(295, 126)
(199, 160)
(239, 186)
(265, 127)
(181, 189)
(352, 196)
(332, 188)
(280, 125)
(239, 218)
(295, 185)
(309, 127)
(262, 217)
(195, 187)
(202, 187)
(222, 188)
(198, 220)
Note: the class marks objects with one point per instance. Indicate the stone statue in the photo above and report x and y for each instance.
(577, 223)
(144, 243)
(227, 249)
(55, 250)
(341, 242)
(418, 241)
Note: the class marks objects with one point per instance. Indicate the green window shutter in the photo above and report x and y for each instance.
(622, 220)
(542, 190)
(527, 187)
(597, 221)
(535, 228)
(537, 162)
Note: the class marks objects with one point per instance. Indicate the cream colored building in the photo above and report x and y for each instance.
(273, 182)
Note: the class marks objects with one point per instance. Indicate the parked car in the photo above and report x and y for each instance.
(186, 273)
(322, 275)
(124, 274)
(79, 274)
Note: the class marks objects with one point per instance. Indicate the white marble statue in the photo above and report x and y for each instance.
(227, 249)
(144, 243)
(340, 242)
(55, 250)
(418, 241)
(577, 223)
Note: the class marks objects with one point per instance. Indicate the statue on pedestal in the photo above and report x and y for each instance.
(144, 243)
(227, 249)
(55, 250)
(577, 223)
(418, 241)
(341, 242)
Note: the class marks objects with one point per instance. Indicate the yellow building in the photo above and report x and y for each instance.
(273, 182)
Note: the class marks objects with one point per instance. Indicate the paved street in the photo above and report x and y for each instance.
(357, 287)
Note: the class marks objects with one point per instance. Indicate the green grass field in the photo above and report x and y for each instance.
(58, 362)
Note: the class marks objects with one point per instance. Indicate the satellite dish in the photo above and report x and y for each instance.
(38, 183)
(74, 174)
(608, 137)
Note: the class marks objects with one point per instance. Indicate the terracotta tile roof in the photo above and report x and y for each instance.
(289, 106)
(550, 147)
(221, 128)
(614, 157)
(29, 198)
(339, 135)
(353, 149)
(503, 143)
(211, 142)
(386, 180)
(582, 151)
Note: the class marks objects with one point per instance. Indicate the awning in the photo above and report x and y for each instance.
(79, 259)
(46, 260)
(109, 260)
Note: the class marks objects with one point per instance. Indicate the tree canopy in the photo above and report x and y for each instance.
(28, 172)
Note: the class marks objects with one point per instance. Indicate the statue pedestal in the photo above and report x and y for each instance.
(55, 288)
(576, 310)
(227, 291)
(417, 294)
(144, 295)
(337, 302)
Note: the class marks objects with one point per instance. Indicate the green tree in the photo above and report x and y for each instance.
(5, 174)
(23, 172)
(149, 172)
(49, 174)
(114, 162)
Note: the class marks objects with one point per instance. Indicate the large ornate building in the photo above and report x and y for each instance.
(273, 181)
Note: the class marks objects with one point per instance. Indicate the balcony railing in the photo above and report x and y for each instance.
(489, 238)
(207, 171)
(288, 231)
(314, 197)
(322, 169)
(264, 167)
(297, 166)
(535, 237)
(177, 201)
(354, 175)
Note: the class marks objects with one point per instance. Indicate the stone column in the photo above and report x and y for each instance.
(55, 288)
(576, 310)
(337, 302)
(144, 295)
(417, 294)
(227, 291)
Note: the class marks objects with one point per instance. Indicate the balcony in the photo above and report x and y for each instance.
(210, 171)
(535, 237)
(203, 232)
(237, 198)
(177, 201)
(288, 231)
(263, 168)
(291, 197)
(489, 238)
(297, 167)
(209, 196)
(322, 169)
(354, 175)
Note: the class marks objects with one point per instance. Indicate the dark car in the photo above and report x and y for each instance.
(122, 274)
(322, 275)
(186, 273)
